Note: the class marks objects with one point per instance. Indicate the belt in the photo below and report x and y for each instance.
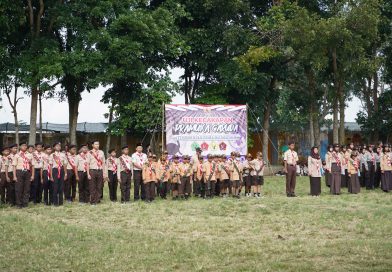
(96, 170)
(292, 165)
(23, 170)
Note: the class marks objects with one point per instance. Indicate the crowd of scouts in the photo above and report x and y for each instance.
(49, 174)
(351, 167)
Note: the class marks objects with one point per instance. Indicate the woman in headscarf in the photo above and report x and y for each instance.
(314, 168)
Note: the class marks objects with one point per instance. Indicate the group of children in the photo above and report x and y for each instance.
(354, 167)
(48, 174)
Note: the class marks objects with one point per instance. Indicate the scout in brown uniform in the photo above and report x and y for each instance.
(36, 185)
(47, 185)
(235, 175)
(163, 174)
(195, 162)
(258, 174)
(138, 160)
(3, 174)
(344, 173)
(95, 172)
(149, 178)
(334, 165)
(290, 167)
(224, 176)
(185, 189)
(10, 176)
(198, 176)
(82, 179)
(72, 172)
(112, 165)
(124, 174)
(247, 169)
(314, 168)
(353, 170)
(175, 176)
(210, 169)
(58, 173)
(328, 175)
(377, 178)
(23, 175)
(386, 169)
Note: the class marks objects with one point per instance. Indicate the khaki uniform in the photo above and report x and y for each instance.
(124, 175)
(235, 173)
(58, 161)
(36, 185)
(47, 184)
(386, 171)
(163, 174)
(70, 183)
(334, 166)
(23, 164)
(96, 163)
(211, 170)
(83, 183)
(353, 168)
(258, 172)
(149, 179)
(112, 165)
(186, 171)
(291, 158)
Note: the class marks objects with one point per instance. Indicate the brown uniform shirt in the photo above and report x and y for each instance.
(45, 162)
(57, 160)
(23, 161)
(163, 171)
(71, 161)
(210, 170)
(234, 174)
(224, 170)
(81, 162)
(353, 166)
(198, 170)
(291, 157)
(96, 160)
(37, 159)
(149, 172)
(112, 164)
(9, 164)
(4, 163)
(175, 172)
(386, 162)
(258, 167)
(186, 170)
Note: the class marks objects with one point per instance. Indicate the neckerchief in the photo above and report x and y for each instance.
(59, 164)
(334, 155)
(71, 161)
(114, 164)
(26, 162)
(83, 156)
(37, 156)
(96, 157)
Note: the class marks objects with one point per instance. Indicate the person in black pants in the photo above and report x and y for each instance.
(58, 174)
(138, 160)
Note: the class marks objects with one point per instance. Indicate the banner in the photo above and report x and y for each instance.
(216, 129)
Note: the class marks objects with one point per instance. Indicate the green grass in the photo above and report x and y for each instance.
(275, 233)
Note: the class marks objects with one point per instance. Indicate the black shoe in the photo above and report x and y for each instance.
(288, 195)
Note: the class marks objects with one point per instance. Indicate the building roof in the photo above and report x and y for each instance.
(56, 128)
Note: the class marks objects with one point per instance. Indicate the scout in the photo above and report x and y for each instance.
(10, 175)
(163, 174)
(175, 177)
(23, 174)
(290, 167)
(124, 174)
(235, 175)
(198, 176)
(247, 168)
(386, 169)
(353, 170)
(344, 173)
(196, 163)
(314, 168)
(95, 172)
(82, 178)
(112, 164)
(30, 149)
(185, 189)
(149, 178)
(138, 160)
(217, 161)
(370, 158)
(3, 175)
(224, 176)
(72, 172)
(377, 178)
(328, 174)
(210, 169)
(258, 174)
(45, 176)
(58, 173)
(36, 185)
(334, 165)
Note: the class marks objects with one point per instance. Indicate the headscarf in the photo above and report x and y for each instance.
(314, 155)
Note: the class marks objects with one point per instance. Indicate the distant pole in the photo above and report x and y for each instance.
(163, 125)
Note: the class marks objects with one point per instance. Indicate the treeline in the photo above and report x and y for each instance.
(293, 62)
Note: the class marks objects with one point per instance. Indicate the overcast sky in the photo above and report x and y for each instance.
(92, 110)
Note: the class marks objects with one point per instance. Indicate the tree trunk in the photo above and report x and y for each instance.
(73, 109)
(375, 102)
(311, 86)
(316, 129)
(342, 106)
(33, 115)
(40, 117)
(109, 134)
(266, 125)
(335, 126)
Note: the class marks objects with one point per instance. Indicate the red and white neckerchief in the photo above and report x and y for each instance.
(125, 163)
(114, 164)
(57, 159)
(261, 163)
(141, 160)
(84, 157)
(150, 169)
(293, 157)
(96, 157)
(336, 158)
(10, 159)
(71, 160)
(317, 164)
(373, 157)
(356, 164)
(200, 169)
(26, 161)
(389, 160)
(37, 156)
(46, 160)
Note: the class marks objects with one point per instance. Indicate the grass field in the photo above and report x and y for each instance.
(275, 233)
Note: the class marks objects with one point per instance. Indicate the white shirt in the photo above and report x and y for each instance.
(138, 159)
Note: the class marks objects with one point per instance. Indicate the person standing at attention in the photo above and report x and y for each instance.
(290, 166)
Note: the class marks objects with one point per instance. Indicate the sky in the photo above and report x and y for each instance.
(93, 110)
